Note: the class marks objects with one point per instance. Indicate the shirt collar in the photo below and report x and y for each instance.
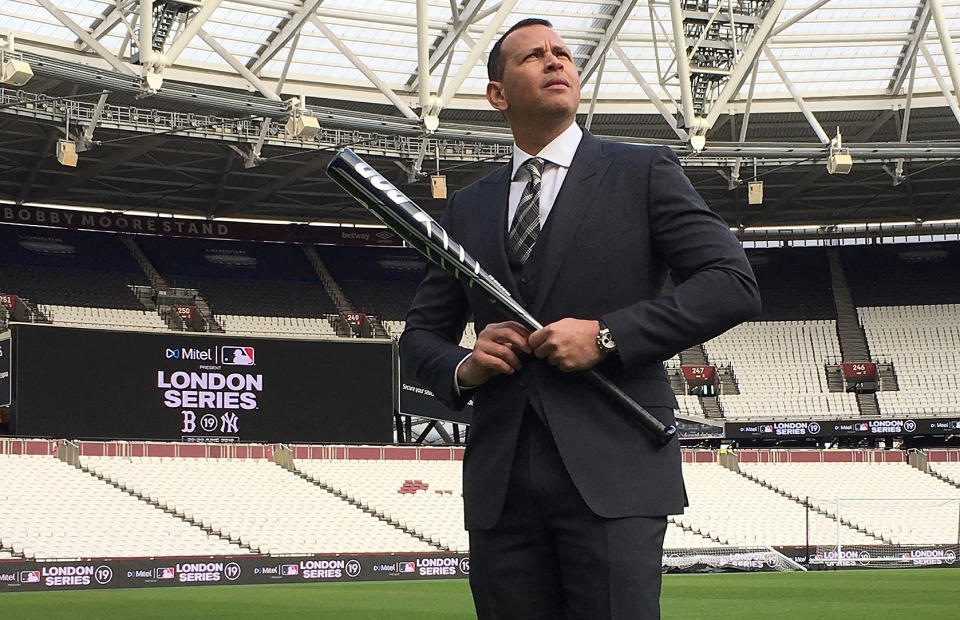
(559, 151)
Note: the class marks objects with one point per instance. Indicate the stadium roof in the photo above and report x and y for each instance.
(767, 79)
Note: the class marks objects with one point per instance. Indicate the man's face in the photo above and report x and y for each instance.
(539, 77)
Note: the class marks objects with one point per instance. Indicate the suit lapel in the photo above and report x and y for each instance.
(491, 226)
(571, 206)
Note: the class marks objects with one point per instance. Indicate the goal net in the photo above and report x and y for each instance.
(895, 532)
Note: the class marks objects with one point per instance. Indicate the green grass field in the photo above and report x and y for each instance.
(851, 595)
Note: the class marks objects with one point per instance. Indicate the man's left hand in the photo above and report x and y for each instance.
(568, 344)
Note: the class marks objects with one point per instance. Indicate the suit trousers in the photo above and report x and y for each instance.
(550, 557)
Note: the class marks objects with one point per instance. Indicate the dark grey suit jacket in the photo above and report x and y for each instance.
(624, 217)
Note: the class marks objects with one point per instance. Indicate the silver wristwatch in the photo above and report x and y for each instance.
(605, 341)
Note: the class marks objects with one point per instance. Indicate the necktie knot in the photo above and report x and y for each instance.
(534, 168)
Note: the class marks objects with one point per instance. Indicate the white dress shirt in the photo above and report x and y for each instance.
(558, 155)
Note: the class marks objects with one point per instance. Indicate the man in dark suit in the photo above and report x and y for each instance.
(565, 495)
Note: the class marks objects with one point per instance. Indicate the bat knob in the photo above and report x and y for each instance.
(667, 434)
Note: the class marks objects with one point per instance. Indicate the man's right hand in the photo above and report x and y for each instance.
(495, 353)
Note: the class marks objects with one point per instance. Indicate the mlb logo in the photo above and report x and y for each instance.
(862, 426)
(768, 428)
(165, 573)
(237, 356)
(289, 570)
(29, 576)
(407, 567)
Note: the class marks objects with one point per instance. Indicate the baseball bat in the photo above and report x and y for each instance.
(422, 232)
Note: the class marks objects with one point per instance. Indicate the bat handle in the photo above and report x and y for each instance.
(661, 432)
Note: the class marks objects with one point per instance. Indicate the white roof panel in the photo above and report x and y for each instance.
(845, 48)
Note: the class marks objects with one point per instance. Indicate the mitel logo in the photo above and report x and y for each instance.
(8, 577)
(183, 353)
(237, 356)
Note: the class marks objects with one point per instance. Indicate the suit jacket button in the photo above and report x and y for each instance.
(524, 279)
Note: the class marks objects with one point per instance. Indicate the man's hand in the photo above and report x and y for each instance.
(495, 353)
(568, 344)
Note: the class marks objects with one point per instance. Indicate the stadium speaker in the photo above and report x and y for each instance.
(438, 186)
(67, 153)
(15, 72)
(755, 192)
(839, 162)
(303, 126)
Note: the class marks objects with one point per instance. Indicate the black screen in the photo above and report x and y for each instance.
(85, 383)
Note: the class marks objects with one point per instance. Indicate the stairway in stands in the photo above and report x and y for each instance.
(697, 356)
(161, 286)
(853, 340)
(339, 297)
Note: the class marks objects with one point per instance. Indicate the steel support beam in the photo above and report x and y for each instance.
(746, 117)
(87, 138)
(905, 125)
(596, 93)
(609, 35)
(690, 120)
(289, 30)
(444, 48)
(506, 7)
(252, 158)
(107, 23)
(946, 43)
(796, 18)
(745, 63)
(649, 92)
(145, 44)
(423, 55)
(487, 12)
(910, 50)
(238, 66)
(86, 37)
(807, 113)
(193, 26)
(367, 71)
(944, 88)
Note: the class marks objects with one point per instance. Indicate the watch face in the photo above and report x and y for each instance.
(605, 340)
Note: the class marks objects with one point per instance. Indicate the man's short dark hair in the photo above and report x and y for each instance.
(495, 63)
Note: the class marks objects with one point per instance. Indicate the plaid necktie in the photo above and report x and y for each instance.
(526, 221)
